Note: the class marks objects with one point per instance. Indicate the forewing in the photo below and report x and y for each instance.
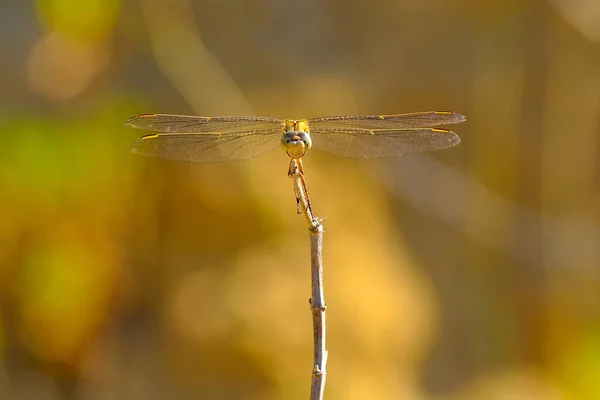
(169, 123)
(208, 147)
(365, 143)
(411, 120)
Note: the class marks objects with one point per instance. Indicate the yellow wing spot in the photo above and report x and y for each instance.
(149, 137)
(382, 117)
(443, 112)
(439, 130)
(372, 133)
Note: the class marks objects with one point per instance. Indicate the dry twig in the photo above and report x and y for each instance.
(317, 301)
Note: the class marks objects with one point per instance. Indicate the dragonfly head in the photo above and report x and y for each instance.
(296, 139)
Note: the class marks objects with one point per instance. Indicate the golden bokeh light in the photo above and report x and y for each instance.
(61, 68)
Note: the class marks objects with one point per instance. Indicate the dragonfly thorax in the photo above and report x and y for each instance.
(296, 139)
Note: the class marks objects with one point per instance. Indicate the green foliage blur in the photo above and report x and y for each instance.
(469, 273)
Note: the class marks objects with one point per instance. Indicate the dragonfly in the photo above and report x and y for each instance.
(215, 139)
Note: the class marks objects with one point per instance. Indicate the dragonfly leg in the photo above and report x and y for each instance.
(296, 166)
(302, 201)
(300, 166)
(293, 172)
(298, 203)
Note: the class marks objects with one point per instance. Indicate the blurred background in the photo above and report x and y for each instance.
(469, 273)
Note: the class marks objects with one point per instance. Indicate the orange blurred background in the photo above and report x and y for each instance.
(469, 273)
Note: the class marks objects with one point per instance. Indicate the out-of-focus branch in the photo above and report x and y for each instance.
(583, 15)
(185, 61)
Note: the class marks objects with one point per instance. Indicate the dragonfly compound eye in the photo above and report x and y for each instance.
(296, 144)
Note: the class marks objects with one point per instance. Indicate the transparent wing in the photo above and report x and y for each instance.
(412, 120)
(365, 143)
(192, 124)
(208, 147)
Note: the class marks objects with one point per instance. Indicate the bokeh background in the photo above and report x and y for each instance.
(469, 273)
